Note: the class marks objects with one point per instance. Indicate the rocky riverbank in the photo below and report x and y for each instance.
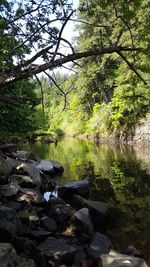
(60, 231)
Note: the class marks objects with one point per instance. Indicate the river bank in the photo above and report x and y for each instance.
(60, 231)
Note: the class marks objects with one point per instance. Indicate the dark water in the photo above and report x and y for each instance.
(122, 178)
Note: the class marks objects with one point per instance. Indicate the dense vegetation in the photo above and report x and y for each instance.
(108, 96)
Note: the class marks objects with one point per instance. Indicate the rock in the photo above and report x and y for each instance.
(13, 162)
(57, 250)
(14, 205)
(115, 259)
(25, 156)
(57, 167)
(53, 201)
(49, 224)
(8, 257)
(81, 188)
(50, 167)
(5, 170)
(82, 220)
(40, 234)
(10, 190)
(46, 166)
(32, 196)
(8, 148)
(97, 209)
(62, 213)
(22, 180)
(31, 170)
(99, 245)
(9, 223)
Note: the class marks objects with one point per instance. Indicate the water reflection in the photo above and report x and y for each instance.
(122, 178)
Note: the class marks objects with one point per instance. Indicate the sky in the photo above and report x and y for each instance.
(69, 31)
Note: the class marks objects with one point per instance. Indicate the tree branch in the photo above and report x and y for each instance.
(131, 66)
(15, 75)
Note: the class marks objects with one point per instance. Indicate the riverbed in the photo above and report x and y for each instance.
(121, 176)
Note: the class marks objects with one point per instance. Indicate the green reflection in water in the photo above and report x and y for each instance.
(122, 178)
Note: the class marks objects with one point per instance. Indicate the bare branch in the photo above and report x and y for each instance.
(60, 34)
(16, 75)
(25, 14)
(42, 93)
(131, 66)
(57, 85)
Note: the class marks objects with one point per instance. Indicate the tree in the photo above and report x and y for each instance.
(29, 27)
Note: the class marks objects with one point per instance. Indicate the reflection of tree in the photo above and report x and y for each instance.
(131, 179)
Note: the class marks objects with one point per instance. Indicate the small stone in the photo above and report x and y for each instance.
(82, 220)
(99, 245)
(57, 250)
(121, 260)
(49, 223)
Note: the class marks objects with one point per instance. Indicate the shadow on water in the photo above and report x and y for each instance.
(122, 178)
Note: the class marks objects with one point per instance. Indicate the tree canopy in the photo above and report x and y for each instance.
(32, 30)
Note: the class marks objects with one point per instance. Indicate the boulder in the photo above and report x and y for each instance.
(99, 245)
(8, 148)
(13, 162)
(31, 170)
(9, 223)
(48, 223)
(57, 250)
(5, 170)
(8, 257)
(32, 196)
(62, 213)
(14, 205)
(22, 180)
(82, 221)
(120, 260)
(50, 167)
(10, 190)
(25, 156)
(97, 209)
(40, 234)
(81, 188)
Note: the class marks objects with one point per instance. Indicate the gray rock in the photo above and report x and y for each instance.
(8, 148)
(57, 250)
(81, 188)
(30, 196)
(53, 201)
(13, 162)
(97, 209)
(49, 224)
(62, 213)
(22, 180)
(46, 166)
(50, 167)
(10, 190)
(8, 257)
(82, 220)
(5, 170)
(31, 170)
(115, 259)
(99, 245)
(14, 205)
(9, 223)
(25, 156)
(40, 233)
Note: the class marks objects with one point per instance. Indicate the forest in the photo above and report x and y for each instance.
(102, 91)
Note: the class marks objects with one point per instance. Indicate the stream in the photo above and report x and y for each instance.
(121, 178)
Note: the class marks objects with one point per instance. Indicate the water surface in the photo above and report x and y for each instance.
(122, 179)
